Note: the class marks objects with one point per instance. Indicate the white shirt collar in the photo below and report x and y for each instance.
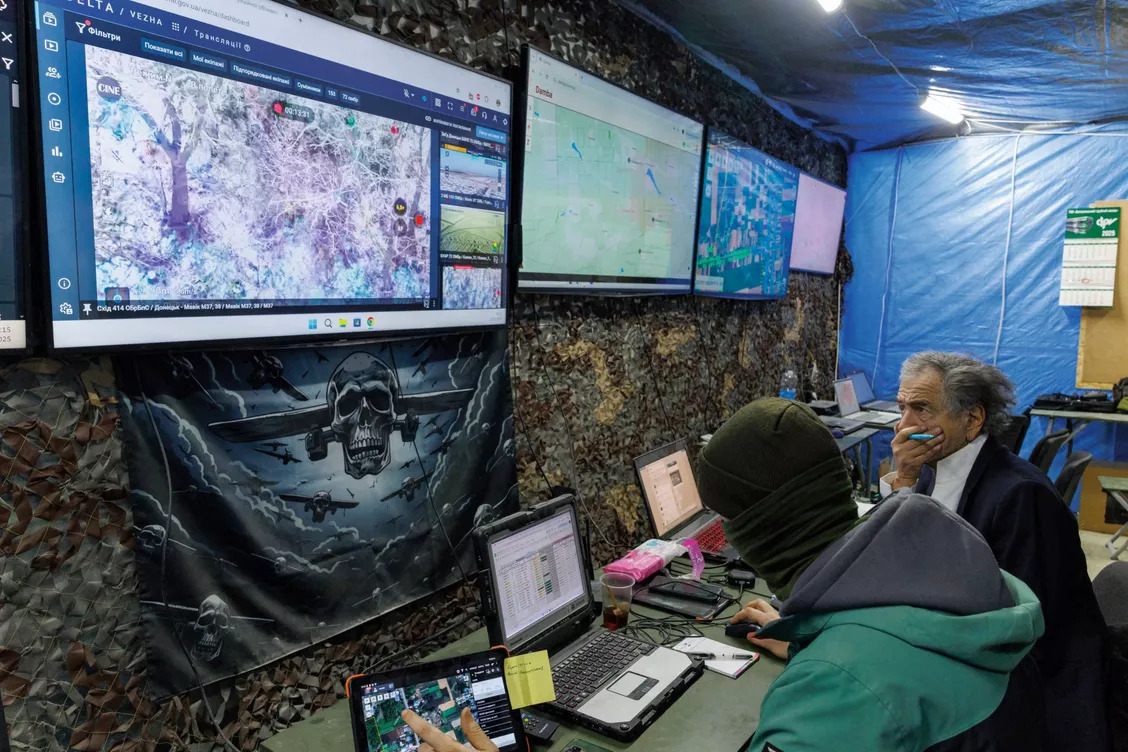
(952, 473)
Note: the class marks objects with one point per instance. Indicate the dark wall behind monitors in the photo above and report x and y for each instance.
(746, 221)
(13, 183)
(246, 171)
(609, 202)
(818, 226)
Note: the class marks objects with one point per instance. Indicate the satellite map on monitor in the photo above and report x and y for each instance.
(747, 221)
(298, 200)
(609, 200)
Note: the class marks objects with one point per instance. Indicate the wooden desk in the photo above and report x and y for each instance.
(716, 713)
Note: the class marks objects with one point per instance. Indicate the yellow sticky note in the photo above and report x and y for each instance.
(529, 679)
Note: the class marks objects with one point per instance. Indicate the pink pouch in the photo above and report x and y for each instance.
(649, 558)
(638, 564)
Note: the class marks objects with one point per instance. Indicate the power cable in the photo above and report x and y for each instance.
(881, 54)
(164, 560)
(567, 429)
(427, 486)
(708, 360)
(653, 371)
(524, 426)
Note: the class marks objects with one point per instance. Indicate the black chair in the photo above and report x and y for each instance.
(1042, 456)
(1014, 432)
(1070, 476)
(1111, 589)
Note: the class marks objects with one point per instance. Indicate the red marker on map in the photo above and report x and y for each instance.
(418, 220)
(279, 108)
(395, 130)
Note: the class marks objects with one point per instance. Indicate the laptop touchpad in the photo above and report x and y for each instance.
(632, 685)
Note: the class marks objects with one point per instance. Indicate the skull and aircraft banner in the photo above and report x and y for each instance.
(281, 497)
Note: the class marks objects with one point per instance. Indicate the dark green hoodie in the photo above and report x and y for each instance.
(904, 634)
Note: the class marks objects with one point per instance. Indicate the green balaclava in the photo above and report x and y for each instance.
(775, 474)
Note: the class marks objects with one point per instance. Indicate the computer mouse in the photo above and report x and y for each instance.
(743, 629)
(836, 433)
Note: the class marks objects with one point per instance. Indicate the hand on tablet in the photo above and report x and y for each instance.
(436, 741)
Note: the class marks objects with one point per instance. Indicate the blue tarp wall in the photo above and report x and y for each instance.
(957, 246)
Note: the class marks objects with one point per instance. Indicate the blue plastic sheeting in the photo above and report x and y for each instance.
(957, 246)
(1007, 63)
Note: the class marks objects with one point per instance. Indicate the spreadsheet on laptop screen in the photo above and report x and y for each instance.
(537, 571)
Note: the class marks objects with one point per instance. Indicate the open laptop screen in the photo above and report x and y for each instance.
(846, 396)
(862, 388)
(538, 574)
(668, 487)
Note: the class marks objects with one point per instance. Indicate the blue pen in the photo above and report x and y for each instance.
(922, 437)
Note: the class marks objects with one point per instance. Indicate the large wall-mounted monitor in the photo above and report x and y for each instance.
(13, 184)
(248, 171)
(609, 201)
(747, 219)
(818, 226)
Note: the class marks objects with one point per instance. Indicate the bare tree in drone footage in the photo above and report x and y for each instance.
(204, 190)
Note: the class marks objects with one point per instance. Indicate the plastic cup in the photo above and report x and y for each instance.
(617, 592)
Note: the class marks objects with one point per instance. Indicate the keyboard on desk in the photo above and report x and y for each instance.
(578, 676)
(841, 424)
(711, 538)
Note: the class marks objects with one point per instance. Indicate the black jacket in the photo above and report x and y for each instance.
(1034, 537)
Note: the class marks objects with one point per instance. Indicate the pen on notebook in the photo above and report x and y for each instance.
(922, 437)
(722, 656)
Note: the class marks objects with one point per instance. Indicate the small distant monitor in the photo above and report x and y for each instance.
(862, 388)
(668, 487)
(819, 210)
(847, 397)
(747, 217)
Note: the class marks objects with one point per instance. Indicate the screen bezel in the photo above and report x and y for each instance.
(642, 461)
(422, 672)
(43, 273)
(841, 227)
(563, 613)
(25, 198)
(839, 385)
(709, 131)
(859, 378)
(522, 92)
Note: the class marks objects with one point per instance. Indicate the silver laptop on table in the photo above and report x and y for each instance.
(866, 397)
(850, 409)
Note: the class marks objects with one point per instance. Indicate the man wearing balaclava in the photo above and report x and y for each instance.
(901, 630)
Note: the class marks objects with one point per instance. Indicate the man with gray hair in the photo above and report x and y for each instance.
(963, 403)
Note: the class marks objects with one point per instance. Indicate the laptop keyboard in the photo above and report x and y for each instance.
(579, 675)
(711, 538)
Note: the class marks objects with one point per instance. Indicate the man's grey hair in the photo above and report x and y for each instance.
(966, 382)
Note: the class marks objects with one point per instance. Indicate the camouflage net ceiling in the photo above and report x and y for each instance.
(596, 382)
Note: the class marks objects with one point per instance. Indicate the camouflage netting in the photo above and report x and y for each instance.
(597, 382)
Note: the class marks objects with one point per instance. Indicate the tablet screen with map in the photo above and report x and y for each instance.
(438, 692)
(609, 201)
